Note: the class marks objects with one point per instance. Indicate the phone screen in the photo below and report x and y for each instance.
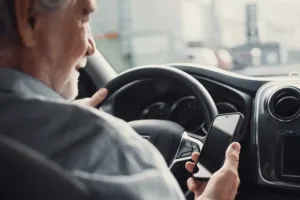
(217, 141)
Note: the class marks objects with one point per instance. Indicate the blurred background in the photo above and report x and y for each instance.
(252, 37)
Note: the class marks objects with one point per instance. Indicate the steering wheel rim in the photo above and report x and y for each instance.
(173, 75)
(166, 72)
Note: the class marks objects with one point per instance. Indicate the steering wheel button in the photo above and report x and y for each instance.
(185, 149)
(186, 154)
(196, 149)
(188, 143)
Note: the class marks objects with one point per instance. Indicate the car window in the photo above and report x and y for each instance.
(245, 36)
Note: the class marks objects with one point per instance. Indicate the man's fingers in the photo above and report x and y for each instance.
(190, 166)
(191, 183)
(98, 97)
(95, 100)
(195, 156)
(196, 187)
(232, 157)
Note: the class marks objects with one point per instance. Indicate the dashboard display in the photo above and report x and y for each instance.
(187, 112)
(158, 110)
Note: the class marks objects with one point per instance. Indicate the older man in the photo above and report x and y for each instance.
(43, 43)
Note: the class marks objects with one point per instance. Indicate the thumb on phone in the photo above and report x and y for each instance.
(232, 157)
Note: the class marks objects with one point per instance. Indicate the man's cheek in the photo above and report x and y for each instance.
(78, 46)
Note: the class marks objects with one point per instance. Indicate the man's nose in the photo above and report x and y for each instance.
(91, 43)
(92, 47)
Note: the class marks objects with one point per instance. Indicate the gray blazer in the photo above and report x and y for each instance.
(101, 150)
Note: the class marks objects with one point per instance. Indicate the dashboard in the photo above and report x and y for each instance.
(184, 111)
(270, 136)
(276, 134)
(157, 99)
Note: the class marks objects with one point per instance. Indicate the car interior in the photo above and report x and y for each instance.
(172, 106)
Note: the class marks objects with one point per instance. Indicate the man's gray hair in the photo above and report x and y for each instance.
(7, 16)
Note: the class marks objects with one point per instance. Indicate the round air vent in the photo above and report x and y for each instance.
(284, 104)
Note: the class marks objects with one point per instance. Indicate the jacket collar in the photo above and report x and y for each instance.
(13, 81)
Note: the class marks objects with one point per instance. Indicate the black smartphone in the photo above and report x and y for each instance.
(222, 133)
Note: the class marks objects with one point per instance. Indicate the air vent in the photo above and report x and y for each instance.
(284, 104)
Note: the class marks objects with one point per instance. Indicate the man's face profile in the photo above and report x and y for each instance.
(56, 40)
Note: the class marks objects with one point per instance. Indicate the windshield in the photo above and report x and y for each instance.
(251, 37)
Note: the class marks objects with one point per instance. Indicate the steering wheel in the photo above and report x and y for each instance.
(174, 143)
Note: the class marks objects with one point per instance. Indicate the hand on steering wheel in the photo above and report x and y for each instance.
(223, 184)
(95, 100)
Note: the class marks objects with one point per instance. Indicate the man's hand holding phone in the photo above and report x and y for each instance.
(223, 184)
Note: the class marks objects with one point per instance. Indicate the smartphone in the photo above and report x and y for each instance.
(222, 132)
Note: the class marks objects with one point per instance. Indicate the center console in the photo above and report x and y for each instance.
(276, 134)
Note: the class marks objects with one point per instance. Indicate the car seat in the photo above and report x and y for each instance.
(26, 174)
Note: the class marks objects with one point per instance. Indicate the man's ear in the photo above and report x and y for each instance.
(25, 21)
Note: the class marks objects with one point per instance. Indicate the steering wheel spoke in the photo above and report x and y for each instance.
(202, 129)
(187, 146)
